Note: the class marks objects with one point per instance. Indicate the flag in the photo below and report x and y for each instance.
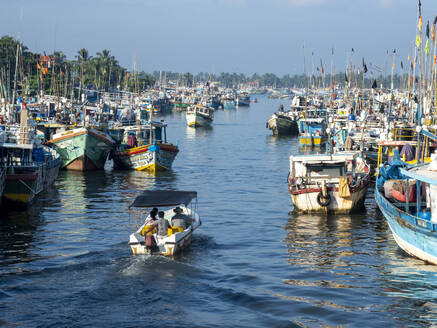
(427, 29)
(435, 58)
(374, 85)
(402, 65)
(321, 65)
(420, 24)
(409, 58)
(345, 78)
(364, 67)
(418, 41)
(393, 67)
(433, 32)
(420, 8)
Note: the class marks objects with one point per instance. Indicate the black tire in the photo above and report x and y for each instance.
(323, 201)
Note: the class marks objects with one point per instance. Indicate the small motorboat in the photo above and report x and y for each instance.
(177, 239)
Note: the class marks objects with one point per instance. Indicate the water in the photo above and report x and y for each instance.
(66, 262)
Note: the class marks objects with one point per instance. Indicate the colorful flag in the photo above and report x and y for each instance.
(420, 24)
(393, 67)
(427, 47)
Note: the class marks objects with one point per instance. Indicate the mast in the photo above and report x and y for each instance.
(393, 70)
(151, 126)
(304, 69)
(15, 73)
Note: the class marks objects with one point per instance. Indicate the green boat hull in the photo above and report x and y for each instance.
(83, 149)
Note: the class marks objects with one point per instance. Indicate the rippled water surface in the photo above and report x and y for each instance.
(66, 262)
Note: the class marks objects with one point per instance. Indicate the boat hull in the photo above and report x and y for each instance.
(198, 120)
(416, 236)
(306, 200)
(173, 245)
(181, 106)
(152, 158)
(313, 141)
(21, 188)
(84, 149)
(229, 104)
(281, 126)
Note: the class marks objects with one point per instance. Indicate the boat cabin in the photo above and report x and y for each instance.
(140, 135)
(313, 126)
(319, 167)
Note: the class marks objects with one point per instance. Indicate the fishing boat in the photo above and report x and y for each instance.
(312, 132)
(144, 147)
(229, 102)
(177, 239)
(282, 123)
(82, 149)
(243, 100)
(30, 166)
(199, 116)
(407, 197)
(334, 183)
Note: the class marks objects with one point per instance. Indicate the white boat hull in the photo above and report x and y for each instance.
(307, 202)
(195, 119)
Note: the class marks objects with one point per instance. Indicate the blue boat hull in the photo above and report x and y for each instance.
(416, 236)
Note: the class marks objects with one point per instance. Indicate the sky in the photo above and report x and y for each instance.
(245, 36)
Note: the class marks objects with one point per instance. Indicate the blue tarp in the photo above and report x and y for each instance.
(392, 171)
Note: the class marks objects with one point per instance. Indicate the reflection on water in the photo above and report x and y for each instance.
(199, 132)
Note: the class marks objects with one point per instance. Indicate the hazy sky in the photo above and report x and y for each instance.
(220, 35)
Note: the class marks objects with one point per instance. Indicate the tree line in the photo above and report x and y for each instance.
(54, 74)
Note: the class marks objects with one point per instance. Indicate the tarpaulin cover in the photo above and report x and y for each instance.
(164, 198)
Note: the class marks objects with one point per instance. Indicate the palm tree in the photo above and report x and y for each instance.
(82, 57)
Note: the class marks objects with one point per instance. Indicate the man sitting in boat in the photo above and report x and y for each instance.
(180, 220)
(162, 225)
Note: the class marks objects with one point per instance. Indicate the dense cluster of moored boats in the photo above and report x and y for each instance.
(38, 137)
(362, 136)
